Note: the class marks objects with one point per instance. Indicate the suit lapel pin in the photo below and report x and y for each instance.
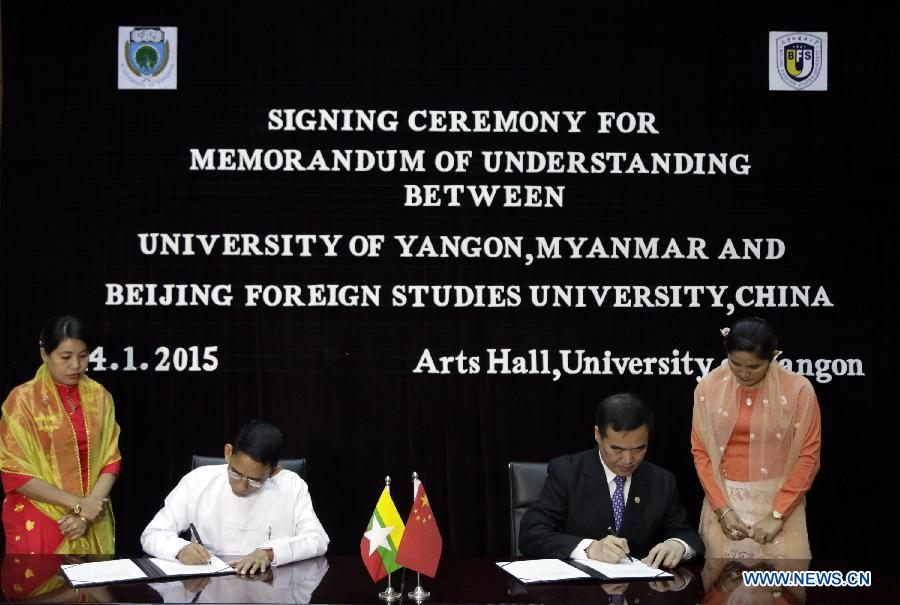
(637, 499)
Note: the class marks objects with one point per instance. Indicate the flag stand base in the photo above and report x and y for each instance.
(389, 594)
(419, 594)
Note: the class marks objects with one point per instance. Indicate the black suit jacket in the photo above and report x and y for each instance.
(575, 504)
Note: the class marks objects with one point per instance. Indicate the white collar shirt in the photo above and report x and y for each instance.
(278, 516)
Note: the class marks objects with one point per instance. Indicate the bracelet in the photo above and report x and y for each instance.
(722, 516)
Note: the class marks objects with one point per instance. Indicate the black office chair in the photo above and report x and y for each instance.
(525, 482)
(298, 465)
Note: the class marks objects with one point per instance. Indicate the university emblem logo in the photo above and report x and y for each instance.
(147, 51)
(147, 57)
(800, 61)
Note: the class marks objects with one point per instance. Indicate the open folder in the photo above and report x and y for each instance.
(132, 570)
(539, 571)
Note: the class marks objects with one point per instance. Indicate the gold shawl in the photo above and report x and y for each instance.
(37, 439)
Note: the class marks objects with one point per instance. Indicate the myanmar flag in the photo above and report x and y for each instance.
(382, 538)
(422, 543)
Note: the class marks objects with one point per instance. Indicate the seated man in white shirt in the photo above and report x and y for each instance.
(249, 507)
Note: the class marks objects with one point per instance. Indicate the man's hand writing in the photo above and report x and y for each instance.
(610, 549)
(193, 554)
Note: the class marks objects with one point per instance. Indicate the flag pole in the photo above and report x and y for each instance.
(419, 594)
(388, 594)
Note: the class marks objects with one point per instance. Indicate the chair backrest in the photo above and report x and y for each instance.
(525, 482)
(298, 465)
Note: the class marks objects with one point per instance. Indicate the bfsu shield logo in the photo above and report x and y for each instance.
(147, 51)
(799, 59)
(148, 58)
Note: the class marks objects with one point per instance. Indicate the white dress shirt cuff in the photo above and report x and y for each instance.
(281, 553)
(688, 551)
(580, 551)
(173, 546)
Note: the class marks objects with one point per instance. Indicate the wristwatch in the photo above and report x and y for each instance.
(777, 515)
(77, 508)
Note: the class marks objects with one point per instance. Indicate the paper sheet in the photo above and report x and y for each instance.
(174, 568)
(542, 570)
(117, 570)
(626, 569)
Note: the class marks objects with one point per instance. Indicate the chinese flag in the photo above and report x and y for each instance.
(421, 547)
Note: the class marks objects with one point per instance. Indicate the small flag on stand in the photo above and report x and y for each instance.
(379, 544)
(422, 542)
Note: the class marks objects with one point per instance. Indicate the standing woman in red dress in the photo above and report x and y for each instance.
(59, 452)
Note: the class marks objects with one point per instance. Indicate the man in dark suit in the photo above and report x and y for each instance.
(607, 503)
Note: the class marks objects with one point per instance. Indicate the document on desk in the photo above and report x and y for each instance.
(176, 568)
(542, 570)
(625, 570)
(131, 570)
(102, 572)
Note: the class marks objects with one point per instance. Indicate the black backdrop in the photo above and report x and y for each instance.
(86, 167)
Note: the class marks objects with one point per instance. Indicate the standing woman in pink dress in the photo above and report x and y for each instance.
(756, 439)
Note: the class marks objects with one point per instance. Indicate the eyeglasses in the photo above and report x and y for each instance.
(254, 483)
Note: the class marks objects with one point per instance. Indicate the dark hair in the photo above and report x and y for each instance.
(261, 441)
(752, 335)
(61, 327)
(623, 412)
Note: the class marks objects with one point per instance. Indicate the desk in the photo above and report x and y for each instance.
(337, 579)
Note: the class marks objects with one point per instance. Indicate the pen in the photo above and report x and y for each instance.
(196, 535)
(613, 534)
